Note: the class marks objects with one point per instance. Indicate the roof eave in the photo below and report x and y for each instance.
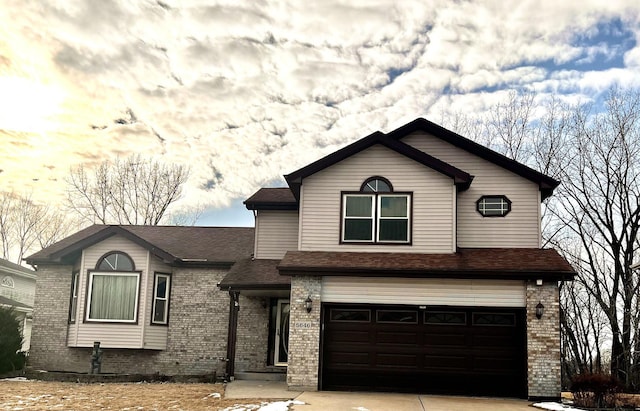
(421, 273)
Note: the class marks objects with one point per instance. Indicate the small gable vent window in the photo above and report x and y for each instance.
(376, 214)
(493, 206)
(8, 282)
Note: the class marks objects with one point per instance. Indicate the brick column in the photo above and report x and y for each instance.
(543, 341)
(304, 335)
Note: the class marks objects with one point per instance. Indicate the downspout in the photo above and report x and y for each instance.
(234, 307)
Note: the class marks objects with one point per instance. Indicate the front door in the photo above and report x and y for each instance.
(282, 333)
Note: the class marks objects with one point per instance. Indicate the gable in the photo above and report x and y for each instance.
(432, 193)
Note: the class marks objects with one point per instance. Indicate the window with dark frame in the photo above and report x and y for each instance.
(161, 290)
(493, 206)
(73, 301)
(376, 214)
(113, 289)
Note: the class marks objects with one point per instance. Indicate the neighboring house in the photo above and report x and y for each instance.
(17, 290)
(407, 261)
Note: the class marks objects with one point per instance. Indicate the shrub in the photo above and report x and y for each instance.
(11, 359)
(595, 390)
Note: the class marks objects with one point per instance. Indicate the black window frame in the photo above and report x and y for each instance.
(376, 218)
(167, 299)
(501, 197)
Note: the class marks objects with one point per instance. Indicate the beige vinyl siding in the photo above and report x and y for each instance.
(276, 233)
(520, 228)
(432, 202)
(83, 334)
(424, 291)
(155, 336)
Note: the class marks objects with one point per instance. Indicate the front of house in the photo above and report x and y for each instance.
(407, 261)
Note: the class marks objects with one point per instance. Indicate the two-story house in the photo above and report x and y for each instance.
(406, 261)
(17, 291)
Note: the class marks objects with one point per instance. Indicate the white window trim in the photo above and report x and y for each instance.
(380, 218)
(372, 217)
(376, 217)
(165, 299)
(73, 308)
(113, 273)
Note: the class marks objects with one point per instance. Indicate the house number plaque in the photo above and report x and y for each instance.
(302, 325)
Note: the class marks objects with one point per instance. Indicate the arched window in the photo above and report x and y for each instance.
(376, 214)
(8, 282)
(376, 185)
(115, 261)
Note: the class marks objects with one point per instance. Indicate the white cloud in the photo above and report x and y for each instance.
(257, 89)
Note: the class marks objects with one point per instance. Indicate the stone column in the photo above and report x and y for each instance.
(304, 334)
(543, 341)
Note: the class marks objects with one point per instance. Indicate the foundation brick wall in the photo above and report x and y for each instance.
(304, 338)
(253, 334)
(197, 337)
(543, 341)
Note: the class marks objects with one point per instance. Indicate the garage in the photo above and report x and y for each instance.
(424, 349)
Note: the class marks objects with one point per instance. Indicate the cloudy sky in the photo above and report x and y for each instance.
(245, 91)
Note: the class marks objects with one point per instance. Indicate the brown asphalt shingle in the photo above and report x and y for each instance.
(498, 262)
(211, 244)
(271, 196)
(255, 274)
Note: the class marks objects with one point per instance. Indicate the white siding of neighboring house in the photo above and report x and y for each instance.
(424, 291)
(117, 335)
(520, 228)
(433, 208)
(276, 233)
(24, 287)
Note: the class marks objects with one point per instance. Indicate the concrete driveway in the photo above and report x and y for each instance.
(337, 401)
(370, 401)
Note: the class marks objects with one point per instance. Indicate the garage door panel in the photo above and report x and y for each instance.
(397, 360)
(346, 358)
(446, 362)
(431, 350)
(400, 338)
(348, 336)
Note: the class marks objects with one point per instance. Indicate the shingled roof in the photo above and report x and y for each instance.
(272, 199)
(250, 274)
(393, 141)
(173, 244)
(498, 263)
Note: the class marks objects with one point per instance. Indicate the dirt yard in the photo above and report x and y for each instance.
(64, 396)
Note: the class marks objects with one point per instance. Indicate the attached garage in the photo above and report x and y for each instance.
(455, 336)
(434, 349)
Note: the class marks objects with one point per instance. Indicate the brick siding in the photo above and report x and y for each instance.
(304, 338)
(197, 335)
(543, 341)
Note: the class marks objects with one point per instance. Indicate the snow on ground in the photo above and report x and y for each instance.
(22, 379)
(554, 406)
(265, 406)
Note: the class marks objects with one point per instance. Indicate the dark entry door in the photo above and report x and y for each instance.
(470, 350)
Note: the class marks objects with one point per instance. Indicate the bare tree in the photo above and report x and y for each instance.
(26, 225)
(599, 206)
(593, 219)
(126, 191)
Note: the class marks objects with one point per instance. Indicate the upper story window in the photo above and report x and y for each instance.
(113, 290)
(376, 214)
(7, 281)
(493, 206)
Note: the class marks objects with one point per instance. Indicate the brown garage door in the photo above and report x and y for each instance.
(473, 351)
